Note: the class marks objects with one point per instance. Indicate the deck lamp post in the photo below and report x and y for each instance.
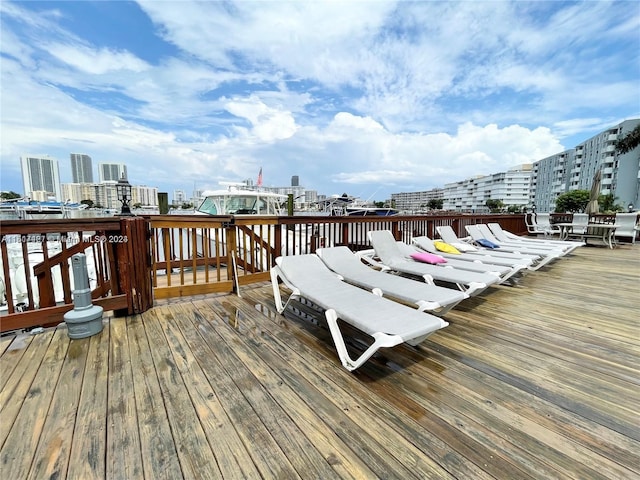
(630, 208)
(123, 190)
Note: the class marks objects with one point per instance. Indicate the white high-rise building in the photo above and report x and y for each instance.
(112, 172)
(414, 202)
(574, 169)
(40, 173)
(471, 195)
(143, 195)
(81, 168)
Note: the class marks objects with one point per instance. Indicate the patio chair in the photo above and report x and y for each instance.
(505, 236)
(532, 225)
(391, 257)
(628, 226)
(432, 298)
(543, 221)
(388, 322)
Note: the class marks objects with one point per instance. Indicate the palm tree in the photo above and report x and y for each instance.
(630, 141)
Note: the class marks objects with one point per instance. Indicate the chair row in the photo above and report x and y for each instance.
(382, 301)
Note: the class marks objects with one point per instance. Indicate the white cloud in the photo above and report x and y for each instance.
(95, 61)
(403, 94)
(268, 123)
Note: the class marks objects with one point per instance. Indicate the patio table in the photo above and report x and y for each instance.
(606, 231)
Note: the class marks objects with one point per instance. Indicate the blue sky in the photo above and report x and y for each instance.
(366, 98)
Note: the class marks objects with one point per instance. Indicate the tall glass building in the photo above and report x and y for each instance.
(41, 177)
(81, 168)
(112, 172)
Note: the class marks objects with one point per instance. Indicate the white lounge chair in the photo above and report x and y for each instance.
(432, 298)
(488, 234)
(546, 255)
(428, 245)
(505, 236)
(449, 236)
(393, 258)
(388, 322)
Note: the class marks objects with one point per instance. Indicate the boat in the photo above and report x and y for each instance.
(23, 208)
(352, 206)
(238, 199)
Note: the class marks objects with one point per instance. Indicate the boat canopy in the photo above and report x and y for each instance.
(238, 201)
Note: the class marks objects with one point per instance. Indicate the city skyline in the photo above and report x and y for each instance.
(395, 97)
(568, 170)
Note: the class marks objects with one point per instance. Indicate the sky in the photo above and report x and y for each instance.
(367, 98)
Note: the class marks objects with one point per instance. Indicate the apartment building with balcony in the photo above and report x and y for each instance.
(574, 170)
(511, 187)
(415, 202)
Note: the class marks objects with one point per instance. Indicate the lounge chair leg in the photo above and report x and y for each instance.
(381, 340)
(295, 293)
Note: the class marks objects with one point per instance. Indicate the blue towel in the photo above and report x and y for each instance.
(486, 243)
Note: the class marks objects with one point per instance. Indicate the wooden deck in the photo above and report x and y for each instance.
(535, 381)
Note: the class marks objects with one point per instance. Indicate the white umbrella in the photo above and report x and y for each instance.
(592, 206)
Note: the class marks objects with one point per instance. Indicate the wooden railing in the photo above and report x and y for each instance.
(36, 274)
(133, 260)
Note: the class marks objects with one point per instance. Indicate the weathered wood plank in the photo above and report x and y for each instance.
(123, 456)
(309, 418)
(19, 449)
(158, 449)
(5, 342)
(197, 459)
(520, 369)
(230, 455)
(265, 452)
(445, 440)
(88, 450)
(52, 454)
(248, 434)
(17, 386)
(14, 347)
(337, 405)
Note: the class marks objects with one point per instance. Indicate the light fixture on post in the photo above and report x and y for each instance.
(630, 208)
(123, 189)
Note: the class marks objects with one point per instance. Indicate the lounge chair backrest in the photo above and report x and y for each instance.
(426, 244)
(309, 274)
(386, 246)
(427, 297)
(406, 249)
(447, 234)
(484, 230)
(497, 231)
(341, 259)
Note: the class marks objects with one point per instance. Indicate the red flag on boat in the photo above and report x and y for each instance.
(259, 182)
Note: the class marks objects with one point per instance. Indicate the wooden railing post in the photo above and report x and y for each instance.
(134, 264)
(232, 252)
